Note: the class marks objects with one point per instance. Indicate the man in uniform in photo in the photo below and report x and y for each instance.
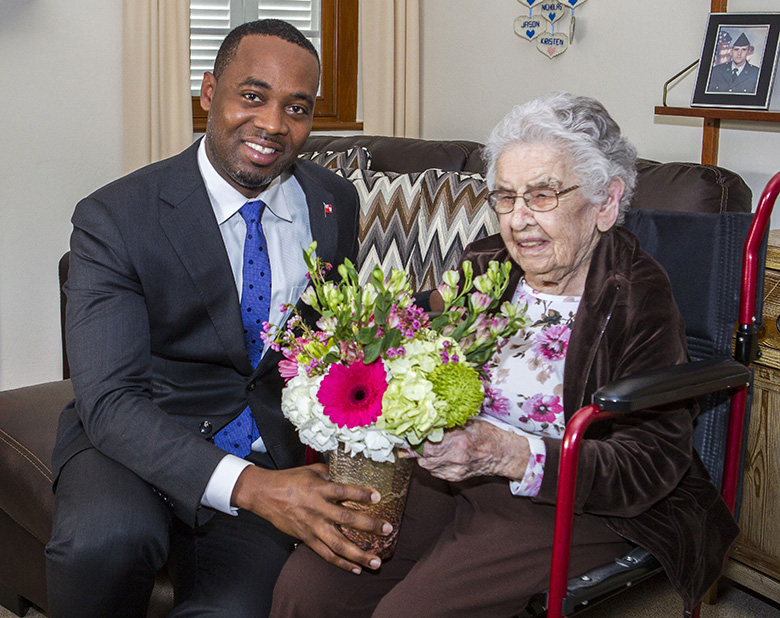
(738, 75)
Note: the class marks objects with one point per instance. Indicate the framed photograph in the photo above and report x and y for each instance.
(738, 59)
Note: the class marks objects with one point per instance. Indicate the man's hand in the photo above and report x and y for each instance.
(304, 504)
(478, 448)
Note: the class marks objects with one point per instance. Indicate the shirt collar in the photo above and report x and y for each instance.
(226, 200)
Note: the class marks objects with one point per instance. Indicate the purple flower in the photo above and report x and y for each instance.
(543, 408)
(552, 342)
(268, 341)
(393, 352)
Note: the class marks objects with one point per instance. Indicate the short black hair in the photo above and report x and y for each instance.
(265, 27)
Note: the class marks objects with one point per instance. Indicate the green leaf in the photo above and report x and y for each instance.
(382, 308)
(392, 339)
(480, 356)
(371, 351)
(461, 330)
(366, 335)
(331, 357)
(440, 321)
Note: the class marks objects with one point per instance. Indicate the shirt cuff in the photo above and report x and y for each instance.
(223, 480)
(531, 483)
(534, 472)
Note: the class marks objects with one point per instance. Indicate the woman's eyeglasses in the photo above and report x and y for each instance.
(538, 200)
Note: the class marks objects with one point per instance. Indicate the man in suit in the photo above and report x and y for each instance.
(738, 75)
(162, 371)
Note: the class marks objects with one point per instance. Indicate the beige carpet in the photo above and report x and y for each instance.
(654, 598)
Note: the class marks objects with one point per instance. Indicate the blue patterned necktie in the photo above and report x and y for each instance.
(237, 436)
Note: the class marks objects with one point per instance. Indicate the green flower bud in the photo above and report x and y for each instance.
(451, 278)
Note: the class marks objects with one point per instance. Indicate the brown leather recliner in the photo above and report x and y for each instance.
(28, 416)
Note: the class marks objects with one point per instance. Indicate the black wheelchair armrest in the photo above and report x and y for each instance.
(662, 386)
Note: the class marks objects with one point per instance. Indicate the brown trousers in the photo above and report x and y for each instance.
(466, 549)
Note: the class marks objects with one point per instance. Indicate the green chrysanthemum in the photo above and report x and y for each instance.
(459, 385)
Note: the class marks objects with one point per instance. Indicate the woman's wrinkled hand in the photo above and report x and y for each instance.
(479, 448)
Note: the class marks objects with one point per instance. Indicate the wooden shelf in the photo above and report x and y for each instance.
(719, 112)
(711, 117)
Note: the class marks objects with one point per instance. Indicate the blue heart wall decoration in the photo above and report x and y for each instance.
(552, 11)
(528, 27)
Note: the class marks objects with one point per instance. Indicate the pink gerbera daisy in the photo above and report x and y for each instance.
(352, 395)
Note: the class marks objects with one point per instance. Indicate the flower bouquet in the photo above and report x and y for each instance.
(377, 374)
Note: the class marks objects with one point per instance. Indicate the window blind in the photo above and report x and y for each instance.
(211, 20)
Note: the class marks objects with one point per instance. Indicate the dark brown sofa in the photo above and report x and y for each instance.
(28, 416)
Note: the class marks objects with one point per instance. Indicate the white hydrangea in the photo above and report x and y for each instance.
(301, 406)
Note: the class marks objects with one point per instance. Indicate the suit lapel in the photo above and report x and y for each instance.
(194, 234)
(322, 215)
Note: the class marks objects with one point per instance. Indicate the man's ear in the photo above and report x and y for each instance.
(609, 210)
(207, 87)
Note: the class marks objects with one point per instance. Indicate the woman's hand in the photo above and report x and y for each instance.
(479, 448)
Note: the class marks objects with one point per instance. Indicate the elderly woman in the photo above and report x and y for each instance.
(477, 533)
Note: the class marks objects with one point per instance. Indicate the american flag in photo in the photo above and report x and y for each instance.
(724, 47)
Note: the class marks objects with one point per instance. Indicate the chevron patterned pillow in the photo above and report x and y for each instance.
(352, 158)
(419, 222)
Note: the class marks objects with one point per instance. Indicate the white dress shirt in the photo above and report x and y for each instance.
(287, 232)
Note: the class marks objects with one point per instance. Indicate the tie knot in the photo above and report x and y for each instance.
(252, 211)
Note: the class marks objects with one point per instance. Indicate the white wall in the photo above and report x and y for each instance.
(474, 69)
(60, 140)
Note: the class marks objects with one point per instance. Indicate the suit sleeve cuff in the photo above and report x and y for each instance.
(223, 480)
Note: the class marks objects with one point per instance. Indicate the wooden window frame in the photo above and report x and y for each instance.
(336, 108)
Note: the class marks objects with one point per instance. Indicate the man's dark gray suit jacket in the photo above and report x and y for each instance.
(154, 331)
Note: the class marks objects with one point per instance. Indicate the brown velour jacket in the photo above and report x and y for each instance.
(639, 471)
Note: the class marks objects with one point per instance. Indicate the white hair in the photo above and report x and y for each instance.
(584, 133)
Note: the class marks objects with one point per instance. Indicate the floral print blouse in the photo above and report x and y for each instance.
(526, 391)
